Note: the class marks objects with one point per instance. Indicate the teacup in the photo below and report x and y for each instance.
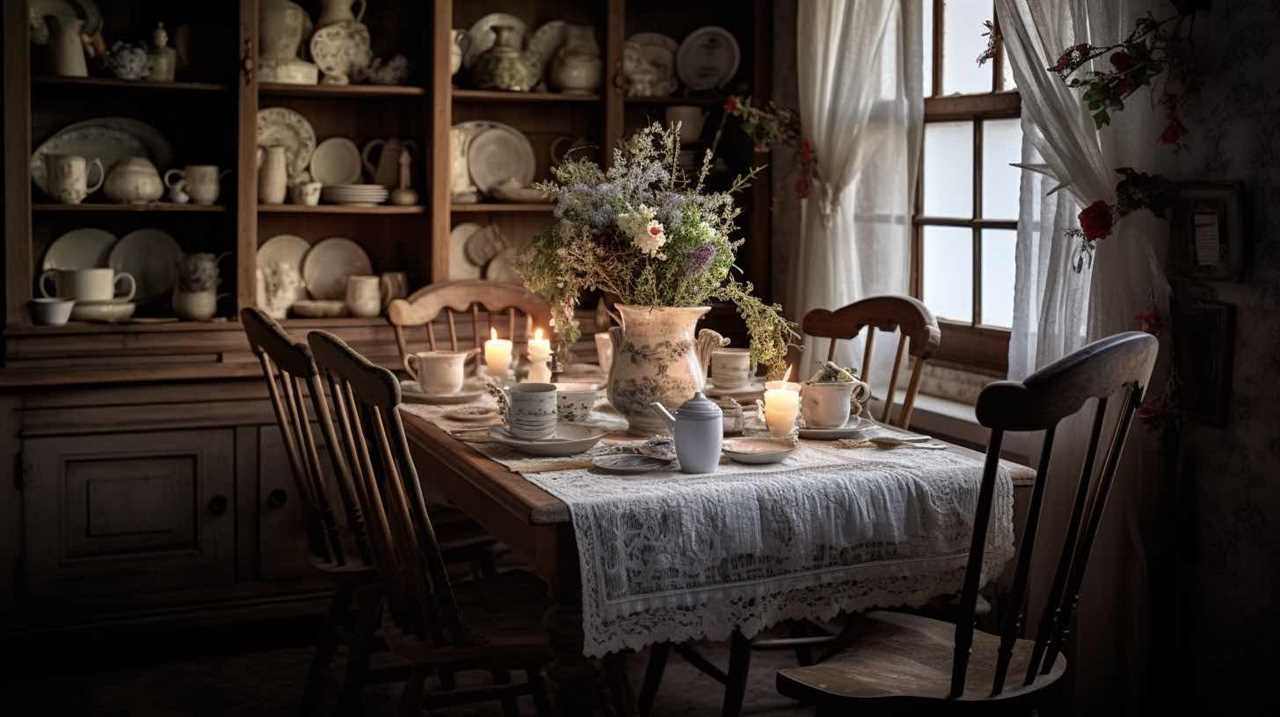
(532, 411)
(86, 284)
(51, 312)
(829, 404)
(730, 368)
(69, 177)
(201, 182)
(574, 401)
(438, 372)
(306, 193)
(364, 296)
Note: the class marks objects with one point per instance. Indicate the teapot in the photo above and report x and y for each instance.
(505, 66)
(387, 171)
(133, 181)
(698, 427)
(577, 68)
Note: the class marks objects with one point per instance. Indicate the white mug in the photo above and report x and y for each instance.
(438, 372)
(86, 284)
(532, 411)
(364, 297)
(69, 177)
(730, 368)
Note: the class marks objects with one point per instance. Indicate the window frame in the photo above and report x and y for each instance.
(966, 345)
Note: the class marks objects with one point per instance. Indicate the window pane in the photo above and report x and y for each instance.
(997, 276)
(948, 272)
(948, 169)
(926, 46)
(962, 42)
(1001, 145)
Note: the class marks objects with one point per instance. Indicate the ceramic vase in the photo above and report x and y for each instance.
(273, 175)
(658, 356)
(65, 47)
(504, 66)
(281, 25)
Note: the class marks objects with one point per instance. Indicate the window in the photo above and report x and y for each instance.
(967, 204)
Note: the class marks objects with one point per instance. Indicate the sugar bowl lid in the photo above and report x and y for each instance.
(699, 408)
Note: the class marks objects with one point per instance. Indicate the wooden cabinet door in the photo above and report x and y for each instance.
(282, 537)
(116, 513)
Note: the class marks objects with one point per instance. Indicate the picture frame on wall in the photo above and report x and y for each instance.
(1207, 235)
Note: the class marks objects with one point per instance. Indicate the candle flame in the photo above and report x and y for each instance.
(493, 334)
(537, 334)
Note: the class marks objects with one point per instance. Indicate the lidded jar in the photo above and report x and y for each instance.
(698, 428)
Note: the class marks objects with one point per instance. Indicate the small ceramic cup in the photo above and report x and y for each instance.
(532, 413)
(574, 401)
(306, 193)
(829, 405)
(438, 372)
(364, 297)
(68, 176)
(730, 368)
(50, 312)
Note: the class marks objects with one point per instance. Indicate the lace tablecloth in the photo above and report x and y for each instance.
(674, 557)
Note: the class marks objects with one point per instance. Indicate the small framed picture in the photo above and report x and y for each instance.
(1207, 231)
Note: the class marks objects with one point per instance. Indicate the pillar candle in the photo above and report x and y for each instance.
(781, 406)
(497, 355)
(539, 348)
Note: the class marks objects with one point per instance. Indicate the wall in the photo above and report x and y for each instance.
(1229, 570)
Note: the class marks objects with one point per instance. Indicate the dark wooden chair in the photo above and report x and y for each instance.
(468, 298)
(911, 664)
(918, 335)
(338, 543)
(502, 630)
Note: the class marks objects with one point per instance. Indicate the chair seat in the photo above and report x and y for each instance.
(895, 657)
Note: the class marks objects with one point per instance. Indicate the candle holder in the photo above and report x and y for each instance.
(781, 407)
(539, 370)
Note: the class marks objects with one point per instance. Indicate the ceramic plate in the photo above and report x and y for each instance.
(109, 139)
(751, 390)
(85, 10)
(460, 265)
(327, 265)
(411, 392)
(708, 58)
(310, 309)
(282, 126)
(503, 267)
(480, 36)
(285, 249)
(757, 451)
(472, 414)
(341, 49)
(855, 428)
(79, 249)
(498, 154)
(546, 40)
(151, 256)
(630, 464)
(336, 161)
(570, 439)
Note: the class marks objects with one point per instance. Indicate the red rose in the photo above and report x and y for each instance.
(1096, 220)
(731, 104)
(1121, 60)
(1173, 133)
(806, 151)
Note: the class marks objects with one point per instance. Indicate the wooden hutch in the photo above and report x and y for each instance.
(143, 476)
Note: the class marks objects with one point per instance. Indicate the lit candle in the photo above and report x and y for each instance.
(781, 405)
(497, 355)
(539, 348)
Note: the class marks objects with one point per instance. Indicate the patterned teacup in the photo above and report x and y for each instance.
(533, 412)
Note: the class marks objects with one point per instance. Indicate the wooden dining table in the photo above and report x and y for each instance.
(537, 526)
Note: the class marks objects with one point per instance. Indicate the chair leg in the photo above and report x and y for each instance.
(368, 617)
(658, 655)
(339, 612)
(411, 698)
(804, 654)
(541, 705)
(615, 669)
(735, 689)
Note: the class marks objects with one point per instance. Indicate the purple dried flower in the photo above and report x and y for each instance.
(699, 259)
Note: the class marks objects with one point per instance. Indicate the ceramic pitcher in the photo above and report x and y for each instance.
(281, 25)
(577, 68)
(332, 11)
(505, 66)
(387, 170)
(273, 175)
(65, 47)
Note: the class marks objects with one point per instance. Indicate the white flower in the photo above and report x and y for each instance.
(645, 232)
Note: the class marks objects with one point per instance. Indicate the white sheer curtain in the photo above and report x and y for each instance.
(861, 103)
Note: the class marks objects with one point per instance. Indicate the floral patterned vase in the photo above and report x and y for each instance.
(657, 357)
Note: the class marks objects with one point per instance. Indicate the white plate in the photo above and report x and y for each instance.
(85, 10)
(108, 311)
(498, 154)
(341, 49)
(630, 464)
(503, 267)
(151, 256)
(336, 161)
(109, 139)
(570, 439)
(79, 249)
(751, 390)
(285, 249)
(708, 58)
(327, 265)
(480, 36)
(855, 428)
(282, 126)
(757, 451)
(460, 265)
(411, 392)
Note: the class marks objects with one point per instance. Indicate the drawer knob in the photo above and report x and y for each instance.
(277, 498)
(218, 505)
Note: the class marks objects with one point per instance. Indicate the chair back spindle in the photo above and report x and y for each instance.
(1120, 364)
(918, 337)
(466, 298)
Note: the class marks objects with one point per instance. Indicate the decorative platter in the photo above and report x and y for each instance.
(285, 249)
(86, 248)
(708, 58)
(152, 257)
(282, 126)
(109, 139)
(341, 49)
(659, 52)
(498, 154)
(327, 265)
(480, 37)
(336, 161)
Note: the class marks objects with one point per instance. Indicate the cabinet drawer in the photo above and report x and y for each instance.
(115, 513)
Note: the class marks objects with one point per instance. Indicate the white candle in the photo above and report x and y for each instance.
(781, 406)
(539, 348)
(497, 354)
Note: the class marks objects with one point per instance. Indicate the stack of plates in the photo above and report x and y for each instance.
(357, 195)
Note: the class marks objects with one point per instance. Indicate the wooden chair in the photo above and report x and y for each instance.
(911, 664)
(337, 541)
(503, 628)
(467, 298)
(918, 335)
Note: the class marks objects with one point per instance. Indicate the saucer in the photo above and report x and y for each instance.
(630, 464)
(106, 311)
(754, 389)
(758, 451)
(471, 414)
(411, 392)
(570, 439)
(855, 428)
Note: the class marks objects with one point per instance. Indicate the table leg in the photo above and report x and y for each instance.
(573, 676)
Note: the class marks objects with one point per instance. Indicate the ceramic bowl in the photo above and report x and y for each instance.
(758, 450)
(106, 311)
(319, 309)
(50, 312)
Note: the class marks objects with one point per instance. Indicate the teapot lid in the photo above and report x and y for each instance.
(699, 408)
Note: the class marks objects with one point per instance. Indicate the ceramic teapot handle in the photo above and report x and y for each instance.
(360, 13)
(102, 176)
(368, 150)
